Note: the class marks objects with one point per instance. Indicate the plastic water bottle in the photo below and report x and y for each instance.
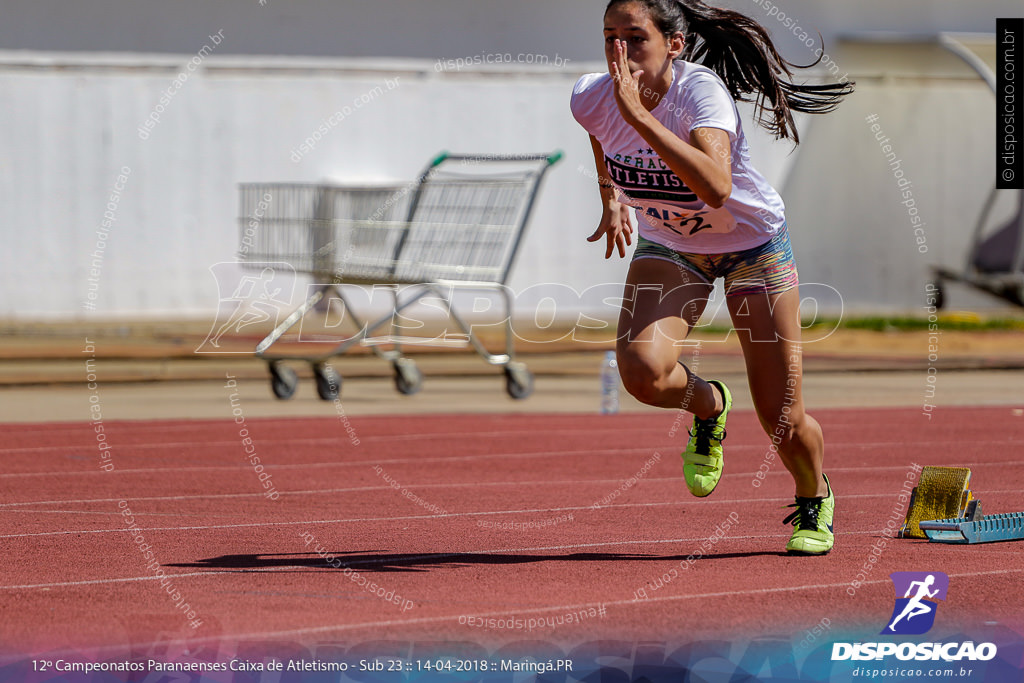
(609, 384)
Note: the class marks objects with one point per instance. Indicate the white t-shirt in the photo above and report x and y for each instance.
(668, 212)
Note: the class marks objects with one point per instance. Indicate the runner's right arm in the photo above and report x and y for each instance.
(615, 225)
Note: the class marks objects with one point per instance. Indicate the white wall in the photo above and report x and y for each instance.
(68, 122)
(72, 124)
(874, 228)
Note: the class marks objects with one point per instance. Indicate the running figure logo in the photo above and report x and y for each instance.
(254, 300)
(914, 613)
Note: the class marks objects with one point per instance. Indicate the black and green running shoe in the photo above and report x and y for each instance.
(812, 522)
(703, 458)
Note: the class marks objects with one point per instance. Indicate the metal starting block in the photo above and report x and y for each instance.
(941, 494)
(976, 529)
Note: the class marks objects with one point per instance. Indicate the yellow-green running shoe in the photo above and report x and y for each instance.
(702, 459)
(812, 520)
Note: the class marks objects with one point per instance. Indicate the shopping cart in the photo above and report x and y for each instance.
(458, 226)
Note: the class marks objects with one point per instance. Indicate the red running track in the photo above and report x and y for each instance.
(490, 517)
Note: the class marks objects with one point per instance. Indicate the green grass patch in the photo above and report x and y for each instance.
(965, 322)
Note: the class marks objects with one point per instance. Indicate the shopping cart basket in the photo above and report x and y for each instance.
(459, 225)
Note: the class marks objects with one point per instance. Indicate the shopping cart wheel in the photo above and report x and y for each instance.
(408, 378)
(283, 380)
(938, 294)
(328, 382)
(518, 380)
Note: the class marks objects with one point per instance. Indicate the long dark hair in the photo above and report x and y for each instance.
(741, 52)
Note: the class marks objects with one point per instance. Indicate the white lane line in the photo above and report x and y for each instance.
(451, 515)
(128, 579)
(320, 465)
(569, 608)
(117, 513)
(352, 489)
(453, 618)
(482, 456)
(408, 558)
(411, 486)
(396, 558)
(334, 441)
(312, 441)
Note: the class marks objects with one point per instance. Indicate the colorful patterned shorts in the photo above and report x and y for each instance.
(766, 268)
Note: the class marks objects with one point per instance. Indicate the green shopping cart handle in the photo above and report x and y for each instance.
(552, 158)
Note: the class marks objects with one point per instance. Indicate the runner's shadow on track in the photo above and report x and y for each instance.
(398, 562)
(729, 556)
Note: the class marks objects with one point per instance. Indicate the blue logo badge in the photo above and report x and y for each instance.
(917, 594)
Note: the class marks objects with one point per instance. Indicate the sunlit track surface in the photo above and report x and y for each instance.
(430, 520)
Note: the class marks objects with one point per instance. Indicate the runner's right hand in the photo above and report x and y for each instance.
(615, 226)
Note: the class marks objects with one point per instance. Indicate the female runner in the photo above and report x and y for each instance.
(668, 142)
